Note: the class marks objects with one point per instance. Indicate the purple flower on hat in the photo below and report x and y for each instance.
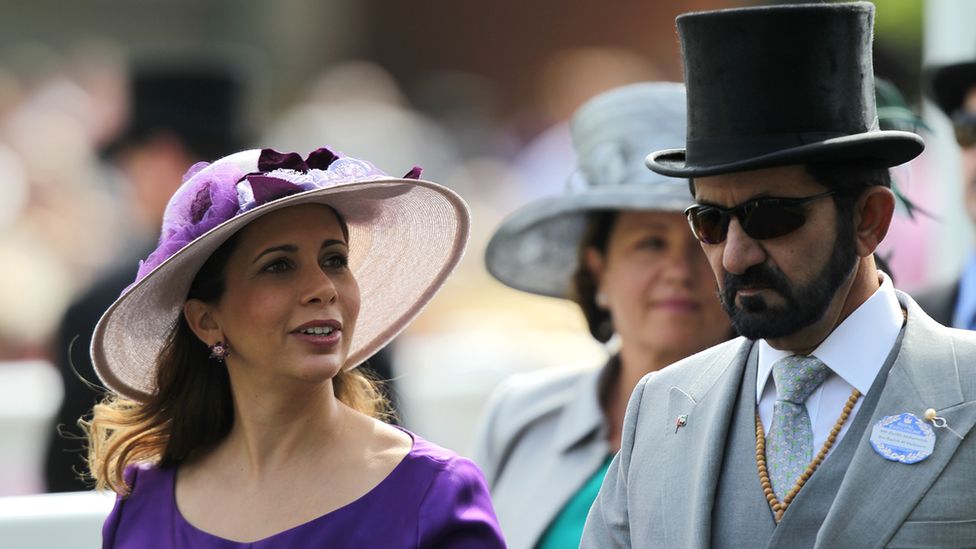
(213, 194)
(285, 174)
(194, 210)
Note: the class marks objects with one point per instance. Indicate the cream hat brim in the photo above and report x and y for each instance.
(405, 237)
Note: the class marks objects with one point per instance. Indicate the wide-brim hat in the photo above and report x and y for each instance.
(949, 84)
(405, 236)
(776, 85)
(536, 248)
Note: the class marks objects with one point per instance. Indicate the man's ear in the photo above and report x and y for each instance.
(200, 316)
(872, 218)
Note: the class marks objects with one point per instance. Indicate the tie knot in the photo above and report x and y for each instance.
(797, 376)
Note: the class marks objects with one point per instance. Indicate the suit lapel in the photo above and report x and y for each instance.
(883, 493)
(697, 445)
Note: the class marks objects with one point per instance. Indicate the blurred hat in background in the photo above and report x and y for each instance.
(198, 102)
(536, 248)
(947, 84)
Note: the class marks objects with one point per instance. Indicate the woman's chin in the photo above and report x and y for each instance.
(319, 371)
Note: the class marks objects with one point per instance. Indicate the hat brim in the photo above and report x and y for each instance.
(949, 84)
(405, 237)
(887, 148)
(536, 248)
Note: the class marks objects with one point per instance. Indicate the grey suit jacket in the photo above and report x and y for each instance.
(660, 488)
(542, 438)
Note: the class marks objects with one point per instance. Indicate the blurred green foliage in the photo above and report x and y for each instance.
(899, 22)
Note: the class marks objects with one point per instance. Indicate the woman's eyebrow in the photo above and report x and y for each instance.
(289, 248)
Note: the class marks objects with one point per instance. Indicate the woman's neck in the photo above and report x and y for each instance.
(273, 429)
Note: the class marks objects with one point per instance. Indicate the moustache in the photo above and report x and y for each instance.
(757, 276)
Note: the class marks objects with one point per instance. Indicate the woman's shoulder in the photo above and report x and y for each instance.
(426, 455)
(431, 466)
(150, 491)
(146, 478)
(454, 506)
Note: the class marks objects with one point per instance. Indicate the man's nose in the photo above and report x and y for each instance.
(741, 250)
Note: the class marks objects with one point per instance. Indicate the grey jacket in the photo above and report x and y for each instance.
(660, 488)
(542, 438)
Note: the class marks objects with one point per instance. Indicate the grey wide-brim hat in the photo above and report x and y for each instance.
(536, 248)
(776, 85)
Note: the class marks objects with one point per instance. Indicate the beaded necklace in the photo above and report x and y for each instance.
(779, 507)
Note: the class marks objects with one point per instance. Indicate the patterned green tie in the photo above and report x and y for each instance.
(789, 445)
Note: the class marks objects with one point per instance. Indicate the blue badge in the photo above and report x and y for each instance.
(904, 438)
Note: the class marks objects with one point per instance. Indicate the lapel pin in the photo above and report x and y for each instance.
(903, 438)
(681, 422)
(939, 422)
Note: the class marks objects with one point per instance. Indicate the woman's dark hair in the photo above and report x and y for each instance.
(596, 236)
(194, 389)
(192, 405)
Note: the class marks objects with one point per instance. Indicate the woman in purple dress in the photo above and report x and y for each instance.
(236, 417)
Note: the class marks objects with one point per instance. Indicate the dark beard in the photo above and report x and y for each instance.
(803, 306)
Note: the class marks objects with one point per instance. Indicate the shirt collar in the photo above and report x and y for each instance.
(846, 351)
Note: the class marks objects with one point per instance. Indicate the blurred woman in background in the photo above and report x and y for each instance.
(616, 243)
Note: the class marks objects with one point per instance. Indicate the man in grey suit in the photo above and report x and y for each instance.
(842, 416)
(953, 88)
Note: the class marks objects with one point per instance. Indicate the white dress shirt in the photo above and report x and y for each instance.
(855, 352)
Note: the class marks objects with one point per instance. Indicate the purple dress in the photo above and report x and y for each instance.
(433, 498)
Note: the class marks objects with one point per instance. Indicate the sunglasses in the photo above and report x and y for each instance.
(761, 218)
(964, 126)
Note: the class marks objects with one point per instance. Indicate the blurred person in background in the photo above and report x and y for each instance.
(49, 124)
(237, 415)
(953, 88)
(894, 113)
(52, 186)
(566, 80)
(181, 112)
(618, 245)
(33, 290)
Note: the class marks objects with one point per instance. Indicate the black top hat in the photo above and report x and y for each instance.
(200, 104)
(778, 85)
(948, 84)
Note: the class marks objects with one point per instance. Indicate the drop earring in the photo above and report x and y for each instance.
(601, 300)
(219, 352)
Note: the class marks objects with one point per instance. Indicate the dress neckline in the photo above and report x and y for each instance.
(415, 442)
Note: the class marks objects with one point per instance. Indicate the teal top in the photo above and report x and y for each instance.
(566, 529)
